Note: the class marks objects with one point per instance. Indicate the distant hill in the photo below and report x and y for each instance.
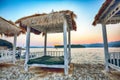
(94, 45)
(72, 46)
(110, 44)
(114, 44)
(6, 43)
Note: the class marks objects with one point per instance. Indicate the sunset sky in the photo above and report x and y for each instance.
(84, 9)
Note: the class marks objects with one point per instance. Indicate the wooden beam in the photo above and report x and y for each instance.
(112, 13)
(105, 46)
(45, 44)
(49, 66)
(114, 20)
(27, 48)
(14, 48)
(65, 47)
(113, 1)
(114, 67)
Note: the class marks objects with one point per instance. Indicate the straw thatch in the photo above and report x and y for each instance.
(8, 28)
(49, 23)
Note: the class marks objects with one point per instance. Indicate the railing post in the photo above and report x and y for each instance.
(118, 59)
(113, 58)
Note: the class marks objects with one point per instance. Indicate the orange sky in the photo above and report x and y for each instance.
(77, 37)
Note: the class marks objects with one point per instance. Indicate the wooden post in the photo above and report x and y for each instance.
(27, 48)
(69, 43)
(45, 44)
(105, 46)
(14, 48)
(65, 47)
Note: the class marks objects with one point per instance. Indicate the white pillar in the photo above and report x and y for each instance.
(14, 48)
(45, 44)
(65, 47)
(69, 43)
(105, 46)
(27, 48)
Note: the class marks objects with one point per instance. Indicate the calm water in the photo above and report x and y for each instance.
(83, 55)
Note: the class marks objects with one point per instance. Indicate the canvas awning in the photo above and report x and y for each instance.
(109, 13)
(8, 28)
(50, 23)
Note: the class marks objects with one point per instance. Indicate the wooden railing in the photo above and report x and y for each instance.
(35, 54)
(49, 53)
(6, 55)
(114, 58)
(55, 53)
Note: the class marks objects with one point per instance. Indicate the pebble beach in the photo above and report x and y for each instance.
(76, 72)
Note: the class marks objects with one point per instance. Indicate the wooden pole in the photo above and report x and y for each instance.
(27, 48)
(45, 44)
(65, 47)
(69, 43)
(14, 48)
(105, 46)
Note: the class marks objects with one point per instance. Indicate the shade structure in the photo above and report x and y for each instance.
(54, 22)
(8, 28)
(109, 13)
(50, 23)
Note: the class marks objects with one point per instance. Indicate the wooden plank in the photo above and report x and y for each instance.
(114, 20)
(49, 66)
(105, 46)
(114, 67)
(107, 8)
(27, 48)
(113, 11)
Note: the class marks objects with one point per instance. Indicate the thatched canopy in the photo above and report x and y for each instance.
(109, 13)
(50, 23)
(8, 28)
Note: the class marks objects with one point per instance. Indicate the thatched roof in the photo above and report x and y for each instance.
(51, 23)
(107, 14)
(9, 28)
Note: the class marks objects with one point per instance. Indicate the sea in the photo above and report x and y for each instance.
(82, 55)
